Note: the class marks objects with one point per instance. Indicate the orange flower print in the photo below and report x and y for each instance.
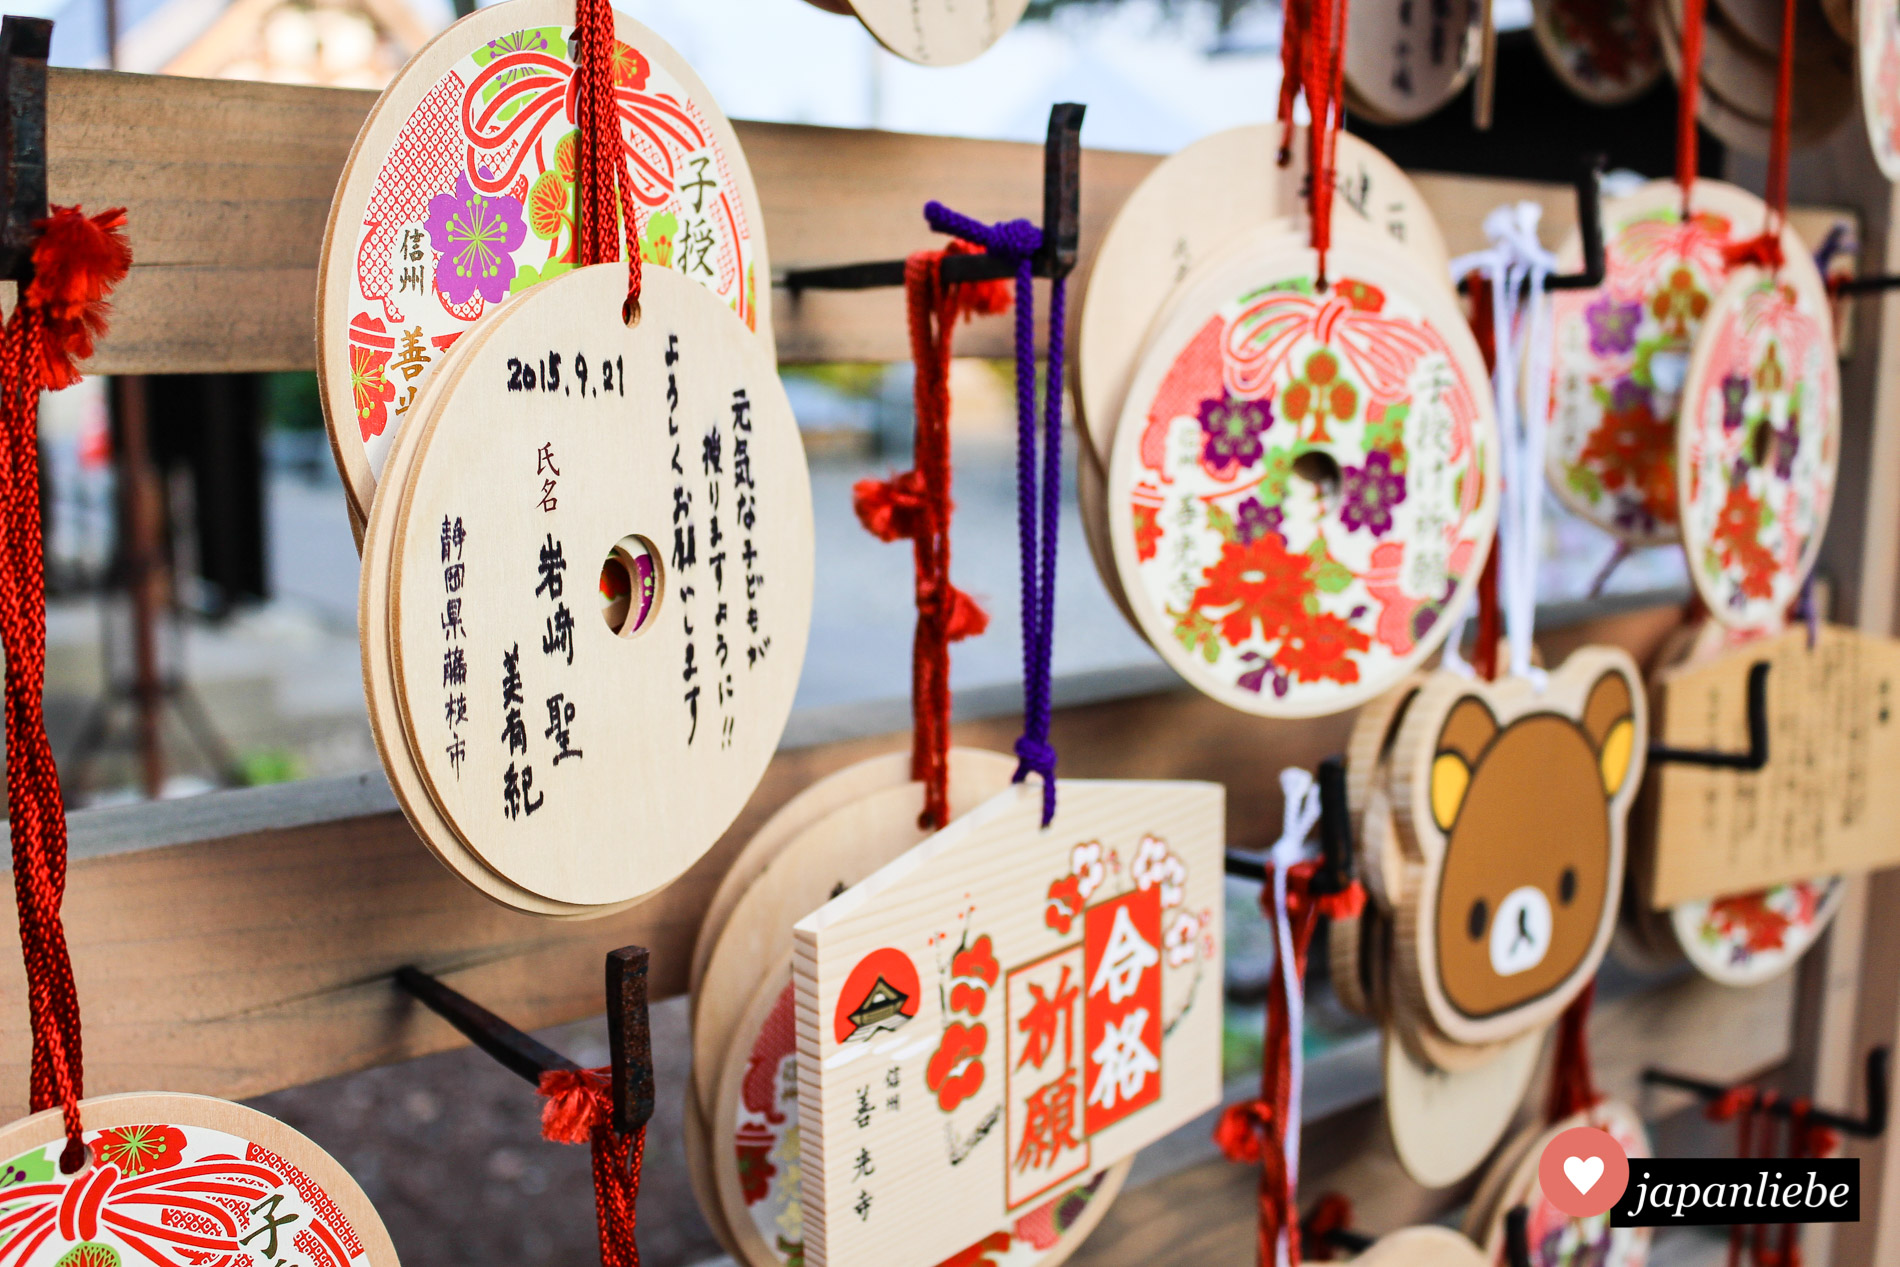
(1738, 542)
(1633, 449)
(1147, 531)
(1679, 303)
(369, 383)
(137, 1149)
(1763, 927)
(1319, 395)
(1260, 583)
(955, 1071)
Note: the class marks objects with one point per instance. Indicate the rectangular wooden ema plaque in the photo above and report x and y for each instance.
(1005, 1011)
(1827, 801)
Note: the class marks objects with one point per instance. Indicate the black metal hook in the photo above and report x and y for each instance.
(1757, 755)
(1589, 190)
(1061, 226)
(1335, 836)
(25, 44)
(1517, 1236)
(629, 1033)
(1870, 1125)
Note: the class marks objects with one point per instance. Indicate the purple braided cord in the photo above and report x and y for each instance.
(1019, 240)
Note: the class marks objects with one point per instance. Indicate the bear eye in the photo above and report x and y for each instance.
(1567, 886)
(1475, 922)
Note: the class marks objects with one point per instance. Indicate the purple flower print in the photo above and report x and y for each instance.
(1612, 325)
(1255, 520)
(1787, 444)
(476, 235)
(1734, 396)
(1370, 492)
(1233, 429)
(1262, 672)
(1627, 395)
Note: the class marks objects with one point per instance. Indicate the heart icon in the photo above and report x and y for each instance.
(1583, 1172)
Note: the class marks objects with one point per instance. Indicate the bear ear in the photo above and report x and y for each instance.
(1468, 728)
(1609, 718)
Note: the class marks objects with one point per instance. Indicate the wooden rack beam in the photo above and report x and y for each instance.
(229, 186)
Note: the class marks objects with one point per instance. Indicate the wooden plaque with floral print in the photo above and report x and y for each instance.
(937, 32)
(758, 1172)
(1188, 210)
(1826, 802)
(1556, 1237)
(1444, 1123)
(600, 586)
(1748, 938)
(1622, 351)
(461, 191)
(180, 1179)
(1004, 1012)
(1878, 51)
(1605, 51)
(1304, 484)
(1758, 443)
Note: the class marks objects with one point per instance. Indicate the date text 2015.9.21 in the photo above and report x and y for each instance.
(543, 374)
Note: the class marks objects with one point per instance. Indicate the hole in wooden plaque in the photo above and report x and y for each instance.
(631, 584)
(1320, 469)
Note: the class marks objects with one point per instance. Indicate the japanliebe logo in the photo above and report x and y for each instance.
(1698, 1191)
(1583, 1171)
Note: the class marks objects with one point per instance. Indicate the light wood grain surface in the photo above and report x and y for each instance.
(229, 184)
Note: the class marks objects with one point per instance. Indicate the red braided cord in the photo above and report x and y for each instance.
(1254, 1130)
(1484, 652)
(916, 504)
(1572, 1088)
(1295, 19)
(603, 167)
(1312, 57)
(61, 311)
(1784, 112)
(1688, 88)
(579, 1109)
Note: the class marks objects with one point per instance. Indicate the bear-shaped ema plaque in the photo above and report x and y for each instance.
(1511, 802)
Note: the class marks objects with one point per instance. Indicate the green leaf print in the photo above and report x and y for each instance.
(1278, 469)
(1195, 631)
(33, 1167)
(1218, 520)
(1329, 575)
(1582, 479)
(1385, 429)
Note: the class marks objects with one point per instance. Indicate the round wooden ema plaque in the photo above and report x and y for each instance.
(937, 32)
(1605, 51)
(1759, 23)
(1621, 352)
(1444, 1124)
(1759, 442)
(601, 584)
(1091, 498)
(834, 791)
(1406, 60)
(1421, 1247)
(461, 191)
(756, 1166)
(386, 723)
(1304, 485)
(699, 1173)
(828, 855)
(1878, 54)
(1556, 1237)
(1737, 101)
(1191, 207)
(1842, 20)
(182, 1178)
(1748, 938)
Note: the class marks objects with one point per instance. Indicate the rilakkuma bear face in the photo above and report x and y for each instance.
(1516, 801)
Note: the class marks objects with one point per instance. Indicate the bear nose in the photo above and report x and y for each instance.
(1520, 935)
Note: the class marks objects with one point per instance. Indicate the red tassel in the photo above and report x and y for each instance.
(1763, 251)
(970, 300)
(76, 263)
(891, 509)
(1331, 1213)
(1242, 1130)
(579, 1111)
(967, 618)
(1348, 903)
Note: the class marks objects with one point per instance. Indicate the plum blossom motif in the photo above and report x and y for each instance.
(1254, 520)
(1320, 394)
(1369, 492)
(1232, 429)
(476, 236)
(371, 389)
(1612, 324)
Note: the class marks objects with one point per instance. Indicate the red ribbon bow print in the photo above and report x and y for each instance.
(543, 89)
(174, 1218)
